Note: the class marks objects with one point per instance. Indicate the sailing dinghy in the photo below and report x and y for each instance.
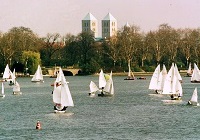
(16, 89)
(194, 98)
(38, 77)
(153, 85)
(61, 94)
(7, 74)
(172, 85)
(2, 91)
(195, 75)
(130, 74)
(13, 78)
(93, 89)
(189, 71)
(106, 86)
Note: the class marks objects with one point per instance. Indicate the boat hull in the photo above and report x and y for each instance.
(59, 111)
(105, 95)
(141, 78)
(17, 93)
(38, 81)
(130, 78)
(195, 81)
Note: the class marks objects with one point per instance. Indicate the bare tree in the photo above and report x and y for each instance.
(129, 39)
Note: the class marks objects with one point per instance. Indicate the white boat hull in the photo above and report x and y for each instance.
(17, 93)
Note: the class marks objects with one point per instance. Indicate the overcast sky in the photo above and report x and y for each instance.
(64, 16)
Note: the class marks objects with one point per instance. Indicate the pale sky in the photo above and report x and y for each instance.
(64, 16)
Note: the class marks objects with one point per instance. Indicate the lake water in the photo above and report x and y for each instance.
(130, 114)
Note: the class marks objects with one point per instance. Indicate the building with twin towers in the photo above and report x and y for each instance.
(108, 24)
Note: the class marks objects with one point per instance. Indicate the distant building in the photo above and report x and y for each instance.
(90, 23)
(109, 26)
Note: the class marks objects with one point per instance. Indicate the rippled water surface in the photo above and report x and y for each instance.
(131, 114)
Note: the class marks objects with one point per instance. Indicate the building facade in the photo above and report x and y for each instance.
(109, 26)
(90, 24)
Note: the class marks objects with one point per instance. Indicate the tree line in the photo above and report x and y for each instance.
(23, 49)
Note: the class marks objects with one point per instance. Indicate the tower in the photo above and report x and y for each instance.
(90, 23)
(109, 26)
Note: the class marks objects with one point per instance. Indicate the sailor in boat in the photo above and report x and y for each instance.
(38, 125)
(175, 97)
(102, 94)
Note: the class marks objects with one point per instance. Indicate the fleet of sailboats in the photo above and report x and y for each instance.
(172, 85)
(162, 82)
(157, 79)
(106, 87)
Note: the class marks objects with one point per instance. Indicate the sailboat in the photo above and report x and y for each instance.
(109, 88)
(130, 74)
(172, 85)
(189, 71)
(162, 78)
(16, 89)
(93, 89)
(194, 98)
(7, 74)
(195, 75)
(13, 77)
(38, 77)
(106, 86)
(153, 85)
(61, 94)
(2, 91)
(177, 73)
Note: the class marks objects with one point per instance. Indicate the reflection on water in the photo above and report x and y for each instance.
(131, 114)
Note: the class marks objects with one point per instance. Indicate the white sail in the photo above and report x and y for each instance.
(195, 74)
(38, 76)
(109, 88)
(177, 87)
(7, 72)
(61, 93)
(189, 71)
(155, 78)
(102, 80)
(177, 72)
(172, 84)
(194, 97)
(168, 84)
(162, 78)
(13, 77)
(93, 87)
(16, 87)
